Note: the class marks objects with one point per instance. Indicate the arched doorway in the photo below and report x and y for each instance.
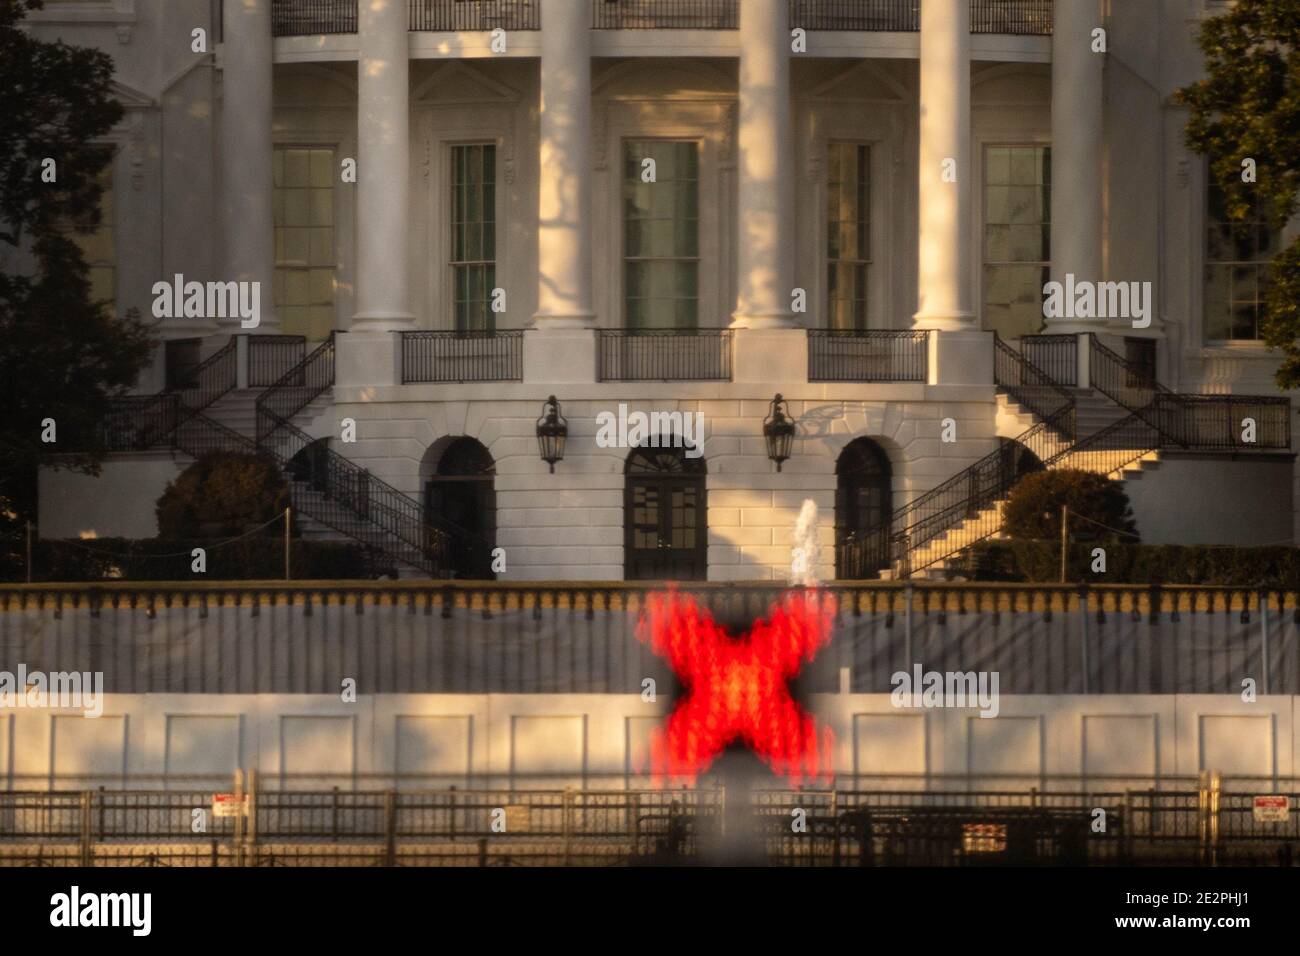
(460, 498)
(863, 506)
(665, 526)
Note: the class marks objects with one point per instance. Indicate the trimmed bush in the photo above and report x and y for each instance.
(1033, 510)
(222, 494)
(1040, 561)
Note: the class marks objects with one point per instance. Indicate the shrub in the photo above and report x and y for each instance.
(1033, 510)
(254, 558)
(222, 494)
(1126, 563)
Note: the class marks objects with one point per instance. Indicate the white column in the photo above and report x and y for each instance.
(383, 168)
(247, 222)
(765, 170)
(944, 197)
(1076, 149)
(564, 202)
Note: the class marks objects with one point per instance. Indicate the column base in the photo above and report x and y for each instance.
(775, 356)
(765, 320)
(560, 355)
(383, 322)
(367, 358)
(961, 357)
(947, 321)
(564, 320)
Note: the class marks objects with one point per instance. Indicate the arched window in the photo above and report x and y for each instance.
(460, 499)
(863, 505)
(665, 528)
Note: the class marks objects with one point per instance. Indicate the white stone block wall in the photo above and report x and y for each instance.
(569, 525)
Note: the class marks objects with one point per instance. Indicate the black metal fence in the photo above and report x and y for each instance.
(900, 16)
(1016, 17)
(463, 356)
(450, 15)
(1055, 355)
(664, 355)
(1205, 820)
(271, 356)
(293, 18)
(665, 14)
(875, 355)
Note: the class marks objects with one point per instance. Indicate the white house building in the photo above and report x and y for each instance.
(681, 209)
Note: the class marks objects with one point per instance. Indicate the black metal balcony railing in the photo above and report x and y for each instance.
(452, 15)
(1055, 355)
(868, 355)
(664, 355)
(292, 18)
(898, 16)
(462, 356)
(665, 14)
(296, 18)
(1016, 17)
(270, 356)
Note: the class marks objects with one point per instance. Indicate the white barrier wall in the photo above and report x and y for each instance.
(576, 737)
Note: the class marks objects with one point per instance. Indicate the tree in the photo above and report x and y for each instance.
(1248, 108)
(1033, 509)
(64, 356)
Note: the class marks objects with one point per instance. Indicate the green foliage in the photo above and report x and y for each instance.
(223, 494)
(1039, 562)
(1033, 509)
(67, 355)
(248, 559)
(1248, 107)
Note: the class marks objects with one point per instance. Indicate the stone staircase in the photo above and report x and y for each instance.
(932, 558)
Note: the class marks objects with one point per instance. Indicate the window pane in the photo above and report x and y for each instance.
(1237, 253)
(1017, 235)
(848, 226)
(473, 237)
(660, 234)
(303, 208)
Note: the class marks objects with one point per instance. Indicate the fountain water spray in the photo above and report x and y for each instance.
(806, 550)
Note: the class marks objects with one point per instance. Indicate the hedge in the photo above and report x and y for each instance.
(154, 559)
(1040, 561)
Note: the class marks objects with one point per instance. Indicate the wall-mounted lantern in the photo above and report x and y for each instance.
(552, 430)
(778, 431)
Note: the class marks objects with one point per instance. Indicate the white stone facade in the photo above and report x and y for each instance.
(194, 193)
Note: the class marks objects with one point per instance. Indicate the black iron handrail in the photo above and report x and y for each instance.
(137, 423)
(664, 355)
(868, 355)
(496, 356)
(970, 493)
(270, 356)
(1189, 421)
(1029, 385)
(1056, 355)
(295, 389)
(1016, 17)
(294, 18)
(665, 14)
(453, 15)
(896, 16)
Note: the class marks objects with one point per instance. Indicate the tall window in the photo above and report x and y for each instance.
(848, 234)
(304, 240)
(97, 245)
(1017, 237)
(661, 235)
(1237, 255)
(473, 235)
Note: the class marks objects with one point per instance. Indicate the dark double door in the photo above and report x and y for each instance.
(665, 534)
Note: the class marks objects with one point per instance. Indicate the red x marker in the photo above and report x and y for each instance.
(738, 689)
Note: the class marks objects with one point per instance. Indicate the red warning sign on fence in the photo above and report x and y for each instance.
(1272, 808)
(229, 804)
